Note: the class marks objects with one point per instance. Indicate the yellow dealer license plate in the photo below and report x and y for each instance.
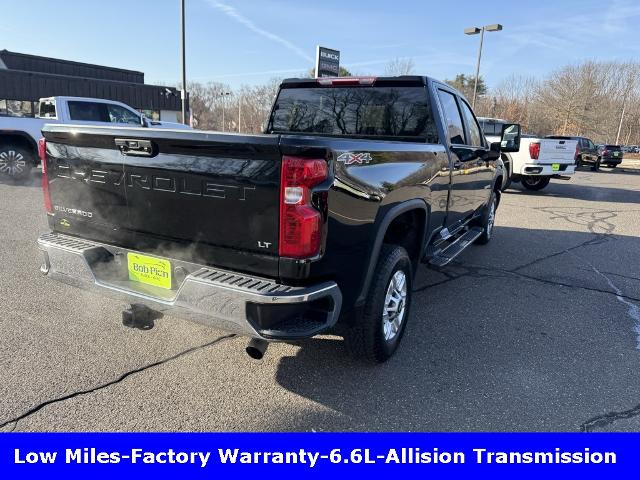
(555, 167)
(150, 270)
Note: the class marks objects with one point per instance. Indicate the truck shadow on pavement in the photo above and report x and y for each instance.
(564, 189)
(546, 342)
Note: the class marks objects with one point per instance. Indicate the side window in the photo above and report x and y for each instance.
(47, 109)
(88, 111)
(118, 114)
(472, 123)
(452, 116)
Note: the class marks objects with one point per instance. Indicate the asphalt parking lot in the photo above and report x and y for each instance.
(539, 330)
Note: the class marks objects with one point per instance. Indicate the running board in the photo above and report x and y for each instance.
(443, 257)
(562, 177)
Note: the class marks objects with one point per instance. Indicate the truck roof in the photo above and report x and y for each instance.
(490, 119)
(80, 99)
(402, 79)
(366, 80)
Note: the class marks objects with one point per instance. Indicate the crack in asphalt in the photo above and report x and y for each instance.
(609, 418)
(476, 271)
(600, 238)
(122, 377)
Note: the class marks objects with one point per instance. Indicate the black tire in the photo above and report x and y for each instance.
(506, 183)
(16, 163)
(368, 339)
(578, 162)
(534, 182)
(596, 166)
(487, 220)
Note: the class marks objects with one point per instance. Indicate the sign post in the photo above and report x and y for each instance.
(327, 62)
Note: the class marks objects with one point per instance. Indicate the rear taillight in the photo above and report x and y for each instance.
(605, 151)
(42, 153)
(534, 150)
(577, 152)
(300, 222)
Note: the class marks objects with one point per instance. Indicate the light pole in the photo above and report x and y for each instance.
(496, 27)
(224, 96)
(184, 67)
(239, 110)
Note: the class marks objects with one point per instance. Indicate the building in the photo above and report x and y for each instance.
(26, 78)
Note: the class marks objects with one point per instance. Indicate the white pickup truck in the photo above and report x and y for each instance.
(538, 160)
(19, 135)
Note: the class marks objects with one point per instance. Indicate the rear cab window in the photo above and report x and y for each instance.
(454, 125)
(387, 112)
(88, 111)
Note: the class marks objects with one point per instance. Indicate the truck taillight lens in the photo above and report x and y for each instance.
(300, 222)
(42, 153)
(534, 150)
(577, 151)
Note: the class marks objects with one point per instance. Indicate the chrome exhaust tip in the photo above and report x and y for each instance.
(256, 348)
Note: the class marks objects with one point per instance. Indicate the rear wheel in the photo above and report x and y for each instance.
(15, 163)
(378, 333)
(535, 182)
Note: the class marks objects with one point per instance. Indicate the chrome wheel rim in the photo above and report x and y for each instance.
(12, 162)
(492, 218)
(395, 305)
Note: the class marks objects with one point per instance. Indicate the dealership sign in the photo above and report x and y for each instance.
(327, 62)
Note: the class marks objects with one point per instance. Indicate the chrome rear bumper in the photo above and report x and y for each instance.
(229, 301)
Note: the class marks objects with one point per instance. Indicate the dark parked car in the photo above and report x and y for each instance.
(586, 153)
(610, 155)
(318, 225)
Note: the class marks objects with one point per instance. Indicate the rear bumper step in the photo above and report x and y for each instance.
(230, 301)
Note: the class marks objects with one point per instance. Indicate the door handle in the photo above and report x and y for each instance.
(131, 146)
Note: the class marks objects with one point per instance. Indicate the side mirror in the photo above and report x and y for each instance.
(510, 139)
(144, 122)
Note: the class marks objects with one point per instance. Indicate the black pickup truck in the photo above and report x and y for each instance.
(316, 226)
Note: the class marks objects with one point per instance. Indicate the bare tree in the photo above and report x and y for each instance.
(399, 66)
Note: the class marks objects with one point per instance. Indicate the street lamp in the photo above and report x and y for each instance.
(496, 27)
(224, 102)
(184, 67)
(239, 111)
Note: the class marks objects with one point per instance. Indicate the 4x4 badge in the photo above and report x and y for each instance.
(350, 158)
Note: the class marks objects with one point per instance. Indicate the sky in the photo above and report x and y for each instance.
(251, 41)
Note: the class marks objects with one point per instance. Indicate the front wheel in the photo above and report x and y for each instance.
(534, 182)
(507, 174)
(596, 166)
(488, 219)
(377, 334)
(15, 163)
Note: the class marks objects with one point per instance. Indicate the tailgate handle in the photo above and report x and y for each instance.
(132, 146)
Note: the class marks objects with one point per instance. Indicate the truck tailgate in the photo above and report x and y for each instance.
(203, 196)
(557, 151)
